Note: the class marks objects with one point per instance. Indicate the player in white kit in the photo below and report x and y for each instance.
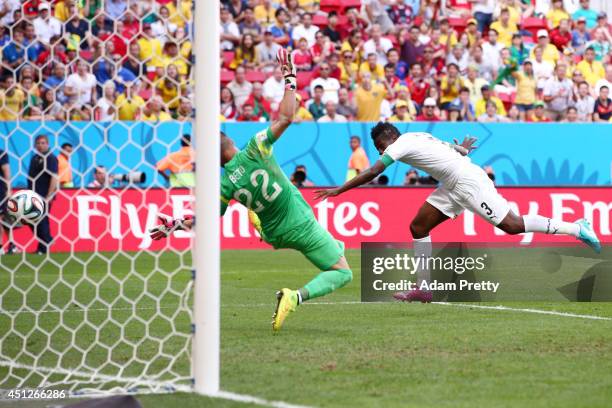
(463, 185)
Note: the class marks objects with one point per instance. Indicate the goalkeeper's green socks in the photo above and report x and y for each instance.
(324, 283)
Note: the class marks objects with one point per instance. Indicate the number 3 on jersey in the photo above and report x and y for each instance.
(257, 206)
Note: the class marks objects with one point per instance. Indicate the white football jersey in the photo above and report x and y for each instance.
(429, 154)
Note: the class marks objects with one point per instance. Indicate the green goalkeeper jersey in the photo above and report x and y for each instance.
(254, 179)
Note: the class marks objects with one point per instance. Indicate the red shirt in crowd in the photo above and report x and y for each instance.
(302, 58)
(243, 118)
(316, 50)
(559, 39)
(433, 67)
(120, 45)
(260, 106)
(423, 118)
(418, 89)
(30, 8)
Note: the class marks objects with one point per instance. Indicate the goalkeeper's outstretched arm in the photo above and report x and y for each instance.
(168, 225)
(286, 109)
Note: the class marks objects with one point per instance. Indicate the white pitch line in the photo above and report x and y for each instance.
(249, 399)
(226, 395)
(498, 307)
(464, 305)
(525, 310)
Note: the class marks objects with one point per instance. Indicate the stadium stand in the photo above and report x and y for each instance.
(95, 60)
(530, 55)
(131, 59)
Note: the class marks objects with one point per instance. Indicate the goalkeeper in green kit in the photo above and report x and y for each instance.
(276, 208)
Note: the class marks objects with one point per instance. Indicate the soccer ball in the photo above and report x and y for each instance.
(26, 206)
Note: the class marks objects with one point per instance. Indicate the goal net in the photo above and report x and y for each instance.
(93, 305)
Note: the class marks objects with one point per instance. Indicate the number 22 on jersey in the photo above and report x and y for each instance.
(257, 177)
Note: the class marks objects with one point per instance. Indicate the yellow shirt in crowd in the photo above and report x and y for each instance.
(444, 39)
(264, 16)
(378, 72)
(11, 105)
(368, 102)
(592, 72)
(128, 109)
(180, 15)
(170, 94)
(150, 51)
(550, 54)
(357, 56)
(525, 89)
(344, 76)
(449, 91)
(555, 17)
(303, 114)
(504, 33)
(162, 116)
(481, 106)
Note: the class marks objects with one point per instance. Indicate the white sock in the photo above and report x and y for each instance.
(537, 223)
(422, 249)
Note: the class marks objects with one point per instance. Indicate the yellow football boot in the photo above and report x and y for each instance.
(287, 300)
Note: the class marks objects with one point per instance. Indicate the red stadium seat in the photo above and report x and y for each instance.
(319, 20)
(303, 79)
(458, 24)
(338, 5)
(226, 76)
(533, 24)
(228, 57)
(255, 76)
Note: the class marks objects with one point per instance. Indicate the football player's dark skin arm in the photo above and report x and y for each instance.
(362, 178)
(286, 112)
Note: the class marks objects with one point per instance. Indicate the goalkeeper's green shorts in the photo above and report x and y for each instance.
(312, 240)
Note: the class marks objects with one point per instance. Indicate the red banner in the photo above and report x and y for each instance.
(111, 220)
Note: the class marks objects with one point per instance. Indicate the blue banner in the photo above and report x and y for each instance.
(521, 154)
(119, 146)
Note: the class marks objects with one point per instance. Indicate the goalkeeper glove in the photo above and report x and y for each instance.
(167, 227)
(289, 71)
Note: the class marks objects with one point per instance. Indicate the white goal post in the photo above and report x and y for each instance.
(206, 244)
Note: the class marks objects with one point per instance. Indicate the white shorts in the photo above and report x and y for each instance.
(475, 192)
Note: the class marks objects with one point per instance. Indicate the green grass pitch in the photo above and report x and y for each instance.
(345, 354)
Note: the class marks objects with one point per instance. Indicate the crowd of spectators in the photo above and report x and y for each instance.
(365, 60)
(419, 60)
(96, 60)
